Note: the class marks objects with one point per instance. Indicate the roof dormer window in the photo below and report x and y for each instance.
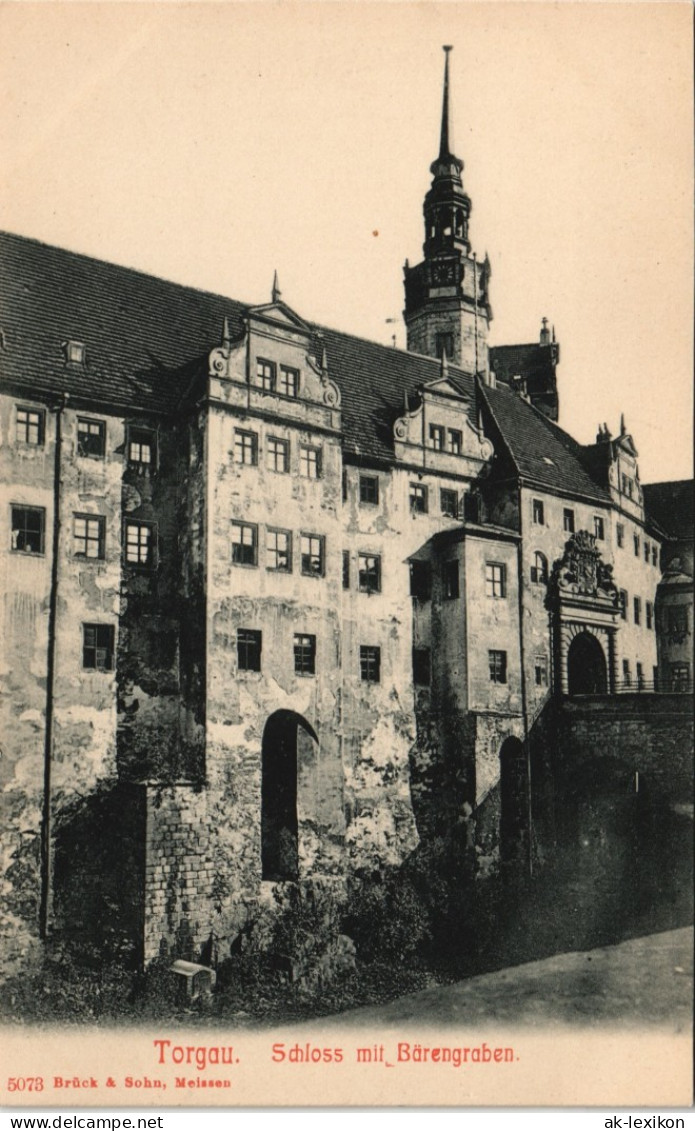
(74, 351)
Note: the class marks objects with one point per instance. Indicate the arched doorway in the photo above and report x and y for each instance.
(586, 666)
(283, 733)
(513, 801)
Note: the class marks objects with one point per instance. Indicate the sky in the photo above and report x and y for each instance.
(212, 144)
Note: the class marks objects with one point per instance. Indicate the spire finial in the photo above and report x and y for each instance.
(226, 336)
(445, 364)
(444, 150)
(622, 424)
(276, 292)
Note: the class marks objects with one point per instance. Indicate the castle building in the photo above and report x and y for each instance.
(281, 603)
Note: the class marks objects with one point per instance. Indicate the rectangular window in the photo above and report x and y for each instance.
(421, 667)
(637, 608)
(310, 462)
(538, 512)
(541, 671)
(141, 451)
(249, 643)
(678, 623)
(245, 447)
(420, 580)
(450, 579)
(244, 544)
(140, 544)
(498, 666)
(75, 352)
(265, 374)
(620, 534)
(369, 573)
(346, 569)
(278, 550)
(370, 663)
(98, 647)
(627, 678)
(304, 654)
(622, 603)
(369, 489)
(288, 383)
(635, 539)
(91, 437)
(28, 525)
(649, 611)
(30, 427)
(418, 498)
(495, 579)
(568, 520)
(277, 454)
(680, 677)
(455, 441)
(639, 671)
(312, 549)
(444, 344)
(599, 530)
(655, 555)
(627, 486)
(449, 502)
(88, 536)
(647, 549)
(437, 437)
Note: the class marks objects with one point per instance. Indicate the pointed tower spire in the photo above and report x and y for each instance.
(446, 296)
(276, 293)
(444, 150)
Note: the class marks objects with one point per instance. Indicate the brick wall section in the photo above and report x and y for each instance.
(179, 872)
(651, 734)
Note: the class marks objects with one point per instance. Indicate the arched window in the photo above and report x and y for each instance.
(539, 569)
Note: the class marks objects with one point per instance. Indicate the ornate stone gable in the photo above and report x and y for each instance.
(582, 572)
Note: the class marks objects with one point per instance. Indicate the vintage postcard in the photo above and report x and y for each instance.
(346, 547)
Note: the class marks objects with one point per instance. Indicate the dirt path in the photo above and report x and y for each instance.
(647, 980)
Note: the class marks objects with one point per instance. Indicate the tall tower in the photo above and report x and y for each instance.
(446, 296)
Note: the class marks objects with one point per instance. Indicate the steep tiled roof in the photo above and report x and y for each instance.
(522, 360)
(540, 451)
(138, 331)
(146, 338)
(671, 506)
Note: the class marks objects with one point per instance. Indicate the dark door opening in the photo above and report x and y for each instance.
(279, 825)
(586, 666)
(513, 801)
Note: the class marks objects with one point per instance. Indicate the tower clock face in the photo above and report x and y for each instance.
(444, 273)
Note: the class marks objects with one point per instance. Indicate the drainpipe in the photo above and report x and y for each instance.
(522, 659)
(45, 905)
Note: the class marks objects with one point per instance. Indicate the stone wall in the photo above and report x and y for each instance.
(648, 734)
(180, 872)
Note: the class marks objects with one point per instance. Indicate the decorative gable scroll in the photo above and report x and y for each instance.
(275, 339)
(439, 433)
